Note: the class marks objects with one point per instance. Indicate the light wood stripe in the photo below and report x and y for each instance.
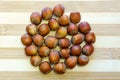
(102, 42)
(93, 18)
(68, 76)
(93, 66)
(99, 53)
(54, 0)
(99, 29)
(82, 6)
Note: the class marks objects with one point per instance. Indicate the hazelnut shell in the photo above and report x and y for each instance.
(31, 50)
(54, 57)
(82, 60)
(88, 49)
(26, 40)
(51, 42)
(84, 27)
(75, 50)
(43, 51)
(75, 17)
(45, 67)
(58, 10)
(90, 37)
(36, 18)
(71, 62)
(38, 40)
(44, 29)
(35, 60)
(72, 29)
(59, 68)
(47, 13)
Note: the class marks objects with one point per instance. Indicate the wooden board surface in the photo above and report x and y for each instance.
(104, 17)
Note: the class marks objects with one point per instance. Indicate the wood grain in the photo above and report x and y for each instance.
(99, 53)
(93, 18)
(75, 75)
(104, 17)
(99, 29)
(92, 66)
(15, 42)
(82, 6)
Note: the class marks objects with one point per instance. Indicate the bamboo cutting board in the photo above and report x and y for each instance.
(104, 17)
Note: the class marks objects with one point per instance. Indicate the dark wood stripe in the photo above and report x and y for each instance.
(99, 53)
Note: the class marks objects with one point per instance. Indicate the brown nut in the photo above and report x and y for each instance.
(84, 27)
(43, 51)
(38, 40)
(71, 62)
(61, 32)
(47, 13)
(31, 50)
(75, 17)
(53, 24)
(64, 20)
(59, 68)
(65, 53)
(75, 50)
(31, 29)
(82, 60)
(88, 49)
(64, 43)
(51, 42)
(90, 37)
(26, 40)
(45, 67)
(44, 29)
(35, 60)
(77, 39)
(58, 10)
(72, 29)
(54, 57)
(36, 18)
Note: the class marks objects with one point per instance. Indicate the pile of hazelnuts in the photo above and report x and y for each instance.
(39, 45)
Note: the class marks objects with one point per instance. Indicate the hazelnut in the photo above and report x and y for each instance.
(75, 17)
(51, 42)
(43, 51)
(44, 29)
(84, 27)
(64, 20)
(61, 32)
(64, 43)
(54, 57)
(31, 29)
(59, 68)
(88, 49)
(90, 37)
(38, 40)
(72, 29)
(65, 53)
(71, 62)
(53, 24)
(47, 13)
(26, 39)
(35, 60)
(36, 18)
(77, 39)
(45, 67)
(31, 50)
(82, 60)
(75, 50)
(58, 10)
